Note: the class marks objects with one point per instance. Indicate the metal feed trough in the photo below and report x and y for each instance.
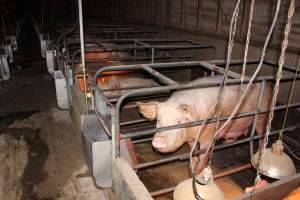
(123, 127)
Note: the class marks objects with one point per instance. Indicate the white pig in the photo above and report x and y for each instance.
(194, 104)
(125, 82)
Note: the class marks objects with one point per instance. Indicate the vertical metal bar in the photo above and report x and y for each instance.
(152, 55)
(114, 132)
(261, 92)
(82, 52)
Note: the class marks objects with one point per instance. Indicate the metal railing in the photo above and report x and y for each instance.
(144, 133)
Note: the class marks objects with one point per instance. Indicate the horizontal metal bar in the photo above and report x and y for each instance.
(220, 70)
(212, 120)
(142, 140)
(218, 147)
(132, 58)
(216, 176)
(158, 75)
(115, 47)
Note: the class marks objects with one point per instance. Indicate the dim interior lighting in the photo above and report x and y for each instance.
(275, 163)
(203, 188)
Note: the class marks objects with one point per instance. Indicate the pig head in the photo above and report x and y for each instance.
(167, 114)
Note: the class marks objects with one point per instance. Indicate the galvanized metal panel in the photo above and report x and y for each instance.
(61, 90)
(97, 151)
(4, 68)
(50, 61)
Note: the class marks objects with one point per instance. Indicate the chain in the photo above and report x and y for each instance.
(278, 77)
(247, 41)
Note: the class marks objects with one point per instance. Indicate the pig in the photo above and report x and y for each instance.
(115, 82)
(193, 105)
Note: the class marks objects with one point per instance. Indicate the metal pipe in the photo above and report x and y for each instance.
(232, 171)
(82, 53)
(185, 156)
(177, 126)
(149, 91)
(158, 75)
(218, 175)
(152, 55)
(259, 101)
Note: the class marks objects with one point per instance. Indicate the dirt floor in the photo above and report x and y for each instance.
(40, 150)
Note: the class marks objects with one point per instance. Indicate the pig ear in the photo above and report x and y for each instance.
(148, 110)
(185, 108)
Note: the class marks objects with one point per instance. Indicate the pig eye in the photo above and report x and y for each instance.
(178, 122)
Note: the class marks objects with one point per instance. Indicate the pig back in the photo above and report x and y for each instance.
(202, 99)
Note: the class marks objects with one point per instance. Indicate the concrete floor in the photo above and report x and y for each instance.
(40, 150)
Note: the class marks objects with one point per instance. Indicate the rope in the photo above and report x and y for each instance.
(276, 87)
(289, 102)
(251, 80)
(247, 41)
(229, 52)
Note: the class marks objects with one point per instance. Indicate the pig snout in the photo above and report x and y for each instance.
(159, 142)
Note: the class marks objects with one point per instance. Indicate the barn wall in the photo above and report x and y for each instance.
(211, 17)
(209, 21)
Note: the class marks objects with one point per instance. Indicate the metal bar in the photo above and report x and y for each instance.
(216, 176)
(156, 65)
(219, 70)
(149, 132)
(232, 171)
(134, 58)
(142, 140)
(162, 89)
(82, 53)
(286, 67)
(152, 55)
(158, 75)
(185, 156)
(259, 101)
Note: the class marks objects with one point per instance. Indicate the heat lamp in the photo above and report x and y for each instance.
(207, 191)
(275, 163)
